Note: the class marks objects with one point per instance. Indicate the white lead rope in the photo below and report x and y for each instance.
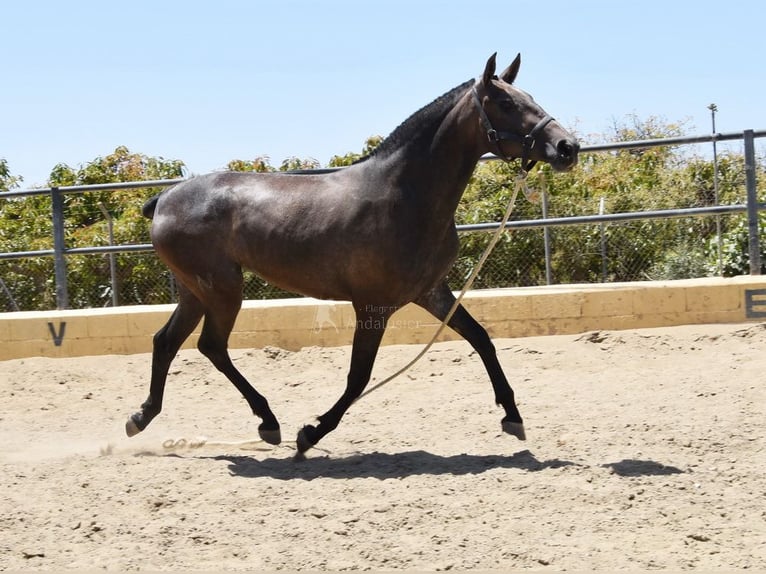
(521, 182)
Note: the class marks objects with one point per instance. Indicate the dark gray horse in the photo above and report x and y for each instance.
(380, 234)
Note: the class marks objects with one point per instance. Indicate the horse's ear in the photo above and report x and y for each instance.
(489, 69)
(510, 72)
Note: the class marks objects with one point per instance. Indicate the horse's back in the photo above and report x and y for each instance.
(191, 203)
(228, 208)
(259, 201)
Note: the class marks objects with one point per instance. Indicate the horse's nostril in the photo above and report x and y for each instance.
(567, 149)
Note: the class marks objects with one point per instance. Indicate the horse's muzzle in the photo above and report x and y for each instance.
(567, 150)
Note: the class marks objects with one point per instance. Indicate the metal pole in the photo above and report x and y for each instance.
(8, 294)
(112, 262)
(713, 109)
(59, 262)
(603, 242)
(752, 205)
(546, 233)
(172, 287)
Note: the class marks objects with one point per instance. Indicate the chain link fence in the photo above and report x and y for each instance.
(622, 251)
(642, 250)
(650, 247)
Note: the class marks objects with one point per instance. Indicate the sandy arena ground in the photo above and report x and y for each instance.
(645, 450)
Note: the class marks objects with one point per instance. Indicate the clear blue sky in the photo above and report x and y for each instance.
(207, 82)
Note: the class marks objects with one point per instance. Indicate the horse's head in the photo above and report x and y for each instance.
(516, 126)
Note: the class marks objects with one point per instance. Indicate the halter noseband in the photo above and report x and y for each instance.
(494, 136)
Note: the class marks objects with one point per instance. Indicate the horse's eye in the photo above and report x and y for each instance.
(506, 105)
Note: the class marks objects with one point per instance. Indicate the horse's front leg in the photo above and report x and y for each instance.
(438, 302)
(370, 326)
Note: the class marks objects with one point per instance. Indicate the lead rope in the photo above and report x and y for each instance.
(520, 182)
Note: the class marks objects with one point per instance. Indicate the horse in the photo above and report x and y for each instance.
(380, 233)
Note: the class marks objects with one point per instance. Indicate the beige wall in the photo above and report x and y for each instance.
(296, 323)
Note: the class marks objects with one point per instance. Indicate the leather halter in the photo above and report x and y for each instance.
(495, 137)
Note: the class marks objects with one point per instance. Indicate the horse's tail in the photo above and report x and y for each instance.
(148, 209)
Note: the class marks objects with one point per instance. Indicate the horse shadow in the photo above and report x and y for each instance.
(634, 467)
(383, 466)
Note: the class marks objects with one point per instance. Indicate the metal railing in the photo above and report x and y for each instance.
(59, 251)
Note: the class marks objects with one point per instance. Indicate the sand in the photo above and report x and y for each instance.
(645, 450)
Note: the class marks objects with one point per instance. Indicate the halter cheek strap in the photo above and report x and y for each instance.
(495, 137)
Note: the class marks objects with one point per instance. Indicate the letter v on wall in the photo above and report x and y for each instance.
(58, 337)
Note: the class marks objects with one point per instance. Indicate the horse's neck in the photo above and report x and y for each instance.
(435, 173)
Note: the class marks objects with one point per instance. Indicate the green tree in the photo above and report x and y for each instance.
(621, 181)
(86, 224)
(370, 144)
(7, 180)
(628, 180)
(26, 225)
(295, 163)
(260, 164)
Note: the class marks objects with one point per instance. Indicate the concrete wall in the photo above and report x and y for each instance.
(296, 323)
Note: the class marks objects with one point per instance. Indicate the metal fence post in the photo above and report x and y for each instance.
(59, 262)
(546, 233)
(602, 230)
(112, 260)
(713, 109)
(752, 204)
(8, 294)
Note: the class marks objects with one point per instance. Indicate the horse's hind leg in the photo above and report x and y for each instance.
(167, 341)
(213, 343)
(438, 302)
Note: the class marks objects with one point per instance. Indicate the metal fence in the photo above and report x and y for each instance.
(131, 274)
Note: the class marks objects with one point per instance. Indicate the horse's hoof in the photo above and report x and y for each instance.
(515, 429)
(131, 428)
(303, 442)
(299, 456)
(270, 436)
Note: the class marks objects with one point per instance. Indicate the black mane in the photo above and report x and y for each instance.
(422, 123)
